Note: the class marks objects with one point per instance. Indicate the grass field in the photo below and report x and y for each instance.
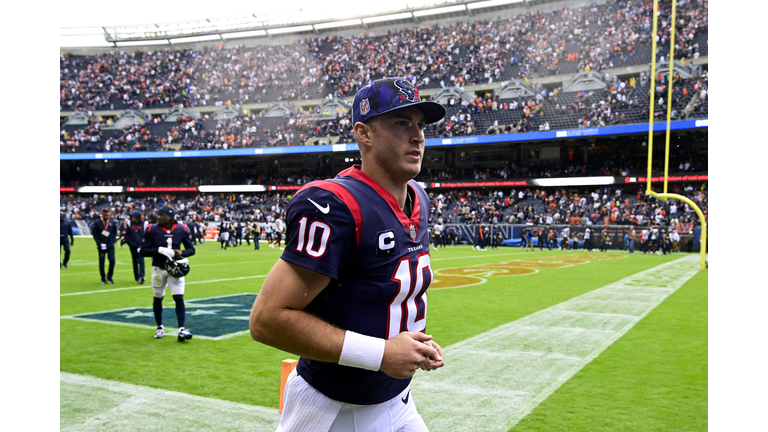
(638, 363)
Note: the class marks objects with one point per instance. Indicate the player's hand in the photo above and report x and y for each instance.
(176, 254)
(433, 362)
(166, 251)
(404, 353)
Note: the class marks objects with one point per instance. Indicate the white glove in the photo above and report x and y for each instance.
(167, 252)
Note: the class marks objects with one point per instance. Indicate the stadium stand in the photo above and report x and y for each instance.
(529, 45)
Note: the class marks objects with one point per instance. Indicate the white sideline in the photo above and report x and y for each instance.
(149, 285)
(525, 361)
(100, 405)
(489, 383)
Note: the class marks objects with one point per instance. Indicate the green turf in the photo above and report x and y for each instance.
(654, 378)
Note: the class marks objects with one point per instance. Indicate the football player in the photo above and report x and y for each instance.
(349, 292)
(224, 229)
(133, 233)
(104, 231)
(66, 238)
(279, 228)
(163, 242)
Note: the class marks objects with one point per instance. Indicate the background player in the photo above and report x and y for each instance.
(357, 258)
(278, 231)
(224, 230)
(133, 233)
(66, 239)
(163, 242)
(104, 233)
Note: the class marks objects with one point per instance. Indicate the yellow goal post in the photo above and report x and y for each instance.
(670, 78)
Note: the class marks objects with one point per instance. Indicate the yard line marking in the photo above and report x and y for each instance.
(96, 404)
(150, 285)
(65, 273)
(482, 392)
(468, 394)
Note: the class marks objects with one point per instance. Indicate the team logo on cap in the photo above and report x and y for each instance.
(364, 106)
(407, 91)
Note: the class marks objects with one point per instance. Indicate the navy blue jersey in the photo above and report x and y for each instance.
(106, 234)
(133, 233)
(157, 236)
(65, 228)
(353, 230)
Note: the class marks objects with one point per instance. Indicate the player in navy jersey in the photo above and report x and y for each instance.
(349, 292)
(133, 233)
(66, 239)
(162, 242)
(104, 231)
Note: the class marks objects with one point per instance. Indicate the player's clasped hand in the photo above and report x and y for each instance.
(406, 352)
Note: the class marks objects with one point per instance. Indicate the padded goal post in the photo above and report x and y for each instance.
(649, 191)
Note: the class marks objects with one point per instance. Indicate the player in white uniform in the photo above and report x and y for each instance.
(279, 230)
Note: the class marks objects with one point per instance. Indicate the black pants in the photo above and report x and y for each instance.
(138, 262)
(65, 242)
(104, 254)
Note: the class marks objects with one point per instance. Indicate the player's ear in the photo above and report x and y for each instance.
(363, 134)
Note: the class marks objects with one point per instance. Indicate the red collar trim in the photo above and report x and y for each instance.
(355, 172)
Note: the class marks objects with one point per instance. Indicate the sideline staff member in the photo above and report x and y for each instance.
(104, 232)
(349, 292)
(66, 239)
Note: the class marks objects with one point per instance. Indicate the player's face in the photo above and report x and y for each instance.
(164, 220)
(398, 142)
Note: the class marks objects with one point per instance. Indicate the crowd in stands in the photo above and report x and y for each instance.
(529, 45)
(599, 206)
(619, 103)
(206, 208)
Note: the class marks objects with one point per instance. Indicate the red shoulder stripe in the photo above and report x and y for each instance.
(355, 172)
(344, 196)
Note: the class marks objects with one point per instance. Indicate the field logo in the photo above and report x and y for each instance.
(209, 318)
(465, 276)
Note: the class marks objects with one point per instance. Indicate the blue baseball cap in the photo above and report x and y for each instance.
(167, 210)
(136, 214)
(389, 94)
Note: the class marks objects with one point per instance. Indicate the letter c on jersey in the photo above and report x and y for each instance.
(386, 243)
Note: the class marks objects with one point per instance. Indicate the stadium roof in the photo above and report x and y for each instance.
(145, 22)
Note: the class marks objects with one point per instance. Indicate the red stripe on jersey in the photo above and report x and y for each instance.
(346, 197)
(354, 171)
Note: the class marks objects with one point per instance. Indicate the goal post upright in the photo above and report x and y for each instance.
(670, 79)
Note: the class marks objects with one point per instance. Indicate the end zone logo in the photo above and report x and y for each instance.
(209, 318)
(456, 277)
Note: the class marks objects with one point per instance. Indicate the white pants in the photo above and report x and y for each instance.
(161, 279)
(306, 409)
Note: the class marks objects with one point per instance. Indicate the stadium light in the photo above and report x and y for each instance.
(449, 9)
(290, 29)
(195, 39)
(393, 17)
(143, 42)
(100, 189)
(346, 23)
(232, 188)
(574, 181)
(252, 33)
(492, 3)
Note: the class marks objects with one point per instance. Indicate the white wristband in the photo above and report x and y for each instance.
(361, 351)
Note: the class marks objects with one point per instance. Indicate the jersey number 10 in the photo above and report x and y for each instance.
(408, 310)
